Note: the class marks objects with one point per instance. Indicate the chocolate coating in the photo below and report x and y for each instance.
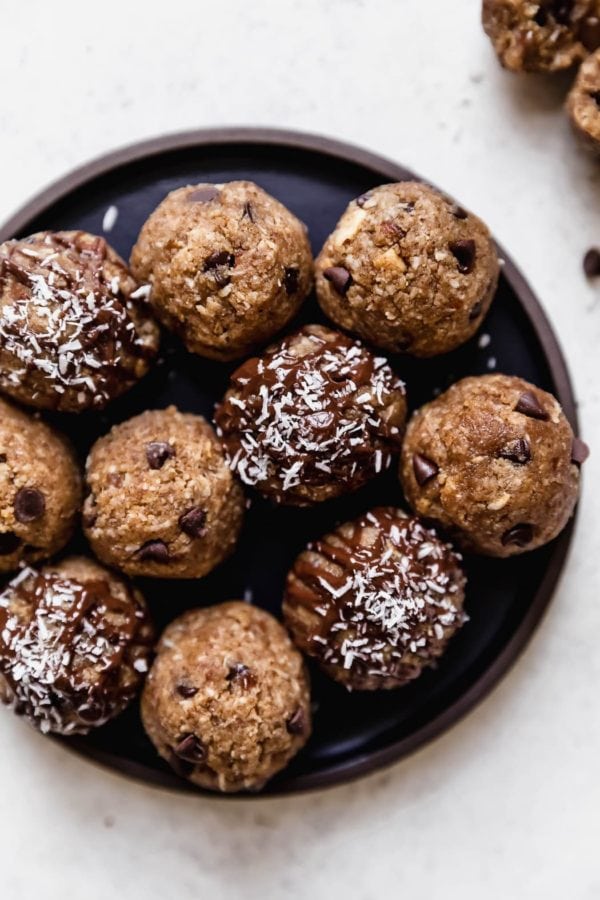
(75, 642)
(376, 601)
(316, 416)
(72, 334)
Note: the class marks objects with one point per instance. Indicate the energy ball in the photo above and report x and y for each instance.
(408, 270)
(315, 417)
(542, 36)
(227, 701)
(494, 461)
(376, 601)
(162, 500)
(40, 489)
(583, 102)
(73, 332)
(229, 266)
(75, 643)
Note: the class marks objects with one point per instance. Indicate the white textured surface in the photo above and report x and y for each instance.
(506, 804)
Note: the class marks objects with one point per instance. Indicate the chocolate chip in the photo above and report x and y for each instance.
(517, 451)
(591, 263)
(476, 311)
(579, 451)
(158, 452)
(393, 230)
(186, 690)
(154, 551)
(290, 280)
(458, 212)
(9, 542)
(464, 253)
(190, 748)
(29, 505)
(241, 674)
(529, 405)
(520, 535)
(589, 33)
(2, 458)
(203, 194)
(192, 522)
(248, 212)
(296, 724)
(360, 201)
(424, 468)
(340, 278)
(219, 258)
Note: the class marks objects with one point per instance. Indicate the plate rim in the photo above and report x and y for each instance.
(493, 674)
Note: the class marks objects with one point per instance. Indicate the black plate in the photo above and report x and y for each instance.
(353, 733)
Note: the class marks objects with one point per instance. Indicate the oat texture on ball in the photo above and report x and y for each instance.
(408, 270)
(495, 462)
(315, 417)
(376, 601)
(583, 103)
(162, 500)
(75, 644)
(229, 266)
(74, 331)
(40, 489)
(227, 701)
(542, 35)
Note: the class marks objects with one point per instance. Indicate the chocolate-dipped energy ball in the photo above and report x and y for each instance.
(542, 35)
(408, 270)
(162, 500)
(40, 489)
(495, 462)
(376, 601)
(75, 644)
(229, 266)
(315, 417)
(73, 331)
(227, 700)
(583, 102)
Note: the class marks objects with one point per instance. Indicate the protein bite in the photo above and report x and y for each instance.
(543, 36)
(74, 333)
(227, 701)
(583, 102)
(376, 601)
(229, 266)
(161, 499)
(315, 417)
(407, 269)
(495, 462)
(75, 644)
(40, 489)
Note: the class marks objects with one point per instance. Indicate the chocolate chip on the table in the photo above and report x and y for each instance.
(153, 551)
(529, 405)
(290, 280)
(186, 690)
(424, 468)
(340, 279)
(192, 522)
(458, 212)
(360, 201)
(190, 748)
(158, 452)
(9, 542)
(589, 33)
(203, 194)
(248, 212)
(296, 724)
(464, 252)
(591, 262)
(476, 311)
(517, 451)
(29, 505)
(219, 258)
(242, 675)
(579, 451)
(520, 535)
